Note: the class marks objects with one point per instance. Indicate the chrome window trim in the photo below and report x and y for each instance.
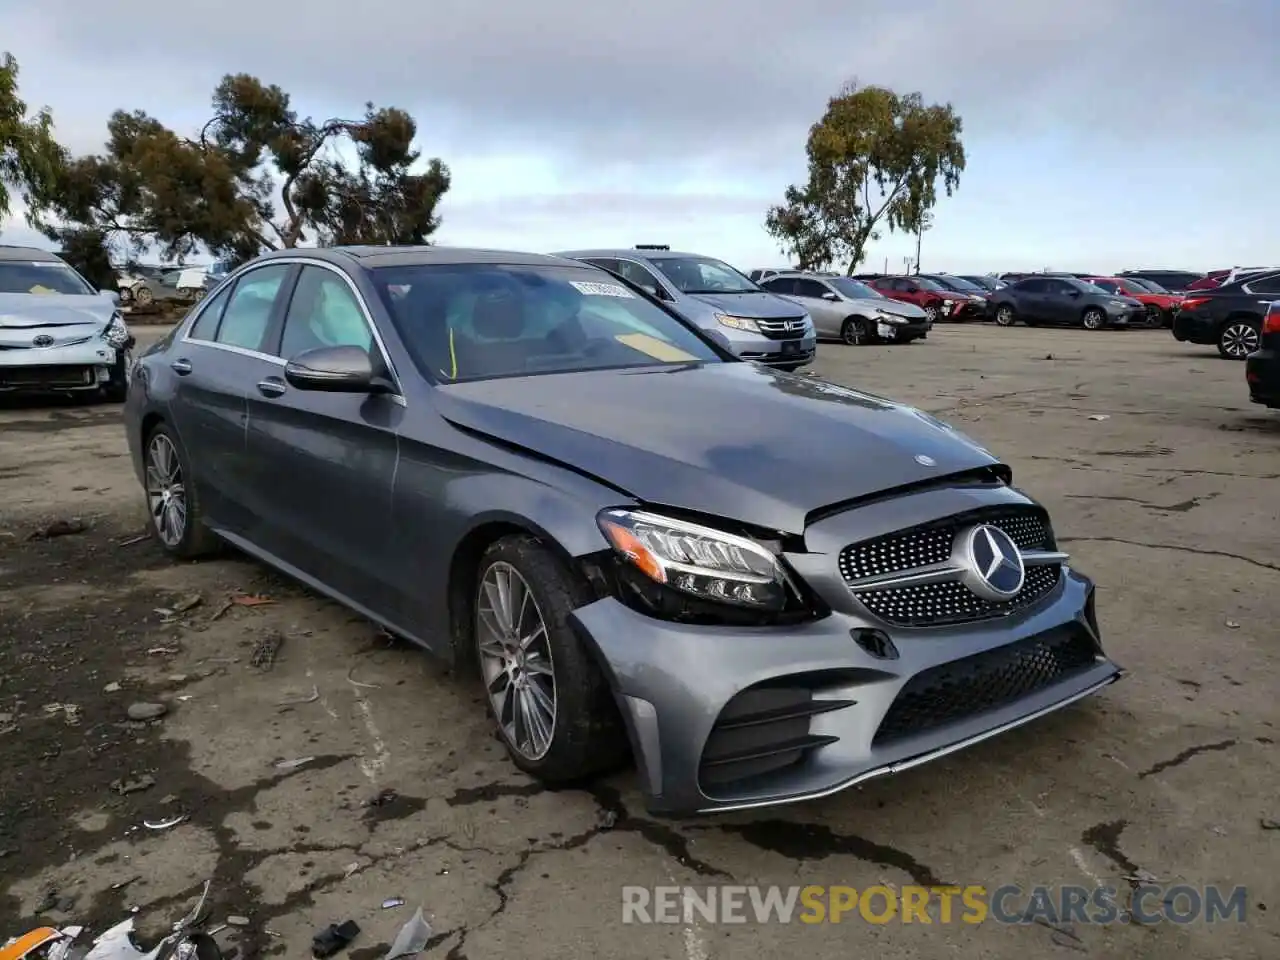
(190, 322)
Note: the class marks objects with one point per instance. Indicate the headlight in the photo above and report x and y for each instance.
(697, 560)
(115, 332)
(889, 317)
(737, 323)
(1119, 303)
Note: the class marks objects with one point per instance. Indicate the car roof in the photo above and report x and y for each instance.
(406, 256)
(632, 253)
(29, 254)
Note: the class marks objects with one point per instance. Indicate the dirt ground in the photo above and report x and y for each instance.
(1170, 502)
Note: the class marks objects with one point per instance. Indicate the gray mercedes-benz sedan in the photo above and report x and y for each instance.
(762, 586)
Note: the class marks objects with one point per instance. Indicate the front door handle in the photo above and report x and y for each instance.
(181, 367)
(271, 387)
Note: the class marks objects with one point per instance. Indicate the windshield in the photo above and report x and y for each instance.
(1149, 285)
(928, 284)
(474, 321)
(959, 284)
(43, 277)
(1086, 286)
(703, 275)
(856, 290)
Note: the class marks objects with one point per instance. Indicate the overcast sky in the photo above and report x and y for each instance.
(1100, 133)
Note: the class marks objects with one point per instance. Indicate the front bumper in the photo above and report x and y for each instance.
(1262, 371)
(66, 369)
(725, 718)
(903, 332)
(792, 352)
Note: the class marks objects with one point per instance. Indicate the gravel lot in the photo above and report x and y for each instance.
(1170, 502)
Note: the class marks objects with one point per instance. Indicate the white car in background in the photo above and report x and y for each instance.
(57, 333)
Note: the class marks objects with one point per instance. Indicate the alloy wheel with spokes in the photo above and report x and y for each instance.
(1094, 319)
(931, 311)
(853, 332)
(166, 491)
(1239, 339)
(516, 660)
(1004, 315)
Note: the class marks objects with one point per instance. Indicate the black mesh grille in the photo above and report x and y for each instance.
(931, 543)
(986, 681)
(937, 604)
(50, 376)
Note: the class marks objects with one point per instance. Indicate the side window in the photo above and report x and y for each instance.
(1269, 284)
(607, 263)
(783, 285)
(323, 313)
(908, 286)
(639, 276)
(810, 288)
(206, 325)
(1061, 289)
(1032, 286)
(1108, 285)
(245, 320)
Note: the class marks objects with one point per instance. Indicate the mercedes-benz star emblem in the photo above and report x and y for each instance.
(44, 340)
(925, 460)
(992, 563)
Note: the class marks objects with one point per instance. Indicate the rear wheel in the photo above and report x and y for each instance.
(144, 296)
(1238, 339)
(554, 709)
(855, 332)
(173, 506)
(1094, 319)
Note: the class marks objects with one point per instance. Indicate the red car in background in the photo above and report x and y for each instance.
(1210, 281)
(931, 297)
(1160, 306)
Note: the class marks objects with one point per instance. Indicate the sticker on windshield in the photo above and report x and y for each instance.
(653, 347)
(602, 290)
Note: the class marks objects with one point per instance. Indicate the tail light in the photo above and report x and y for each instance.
(1272, 323)
(1190, 303)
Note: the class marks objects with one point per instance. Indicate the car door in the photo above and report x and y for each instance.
(1029, 299)
(1062, 302)
(216, 362)
(823, 304)
(325, 463)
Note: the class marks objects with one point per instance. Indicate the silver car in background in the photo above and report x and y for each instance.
(749, 321)
(57, 333)
(845, 309)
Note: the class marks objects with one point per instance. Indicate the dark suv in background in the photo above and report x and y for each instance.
(1175, 281)
(1230, 316)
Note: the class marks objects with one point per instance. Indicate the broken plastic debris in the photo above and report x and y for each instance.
(412, 938)
(352, 870)
(163, 824)
(311, 698)
(132, 540)
(392, 902)
(292, 764)
(356, 683)
(333, 938)
(188, 603)
(1101, 416)
(237, 921)
(123, 787)
(250, 601)
(1231, 624)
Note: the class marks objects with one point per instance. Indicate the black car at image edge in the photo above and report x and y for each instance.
(1228, 317)
(1262, 369)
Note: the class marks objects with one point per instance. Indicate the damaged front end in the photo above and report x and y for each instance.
(37, 356)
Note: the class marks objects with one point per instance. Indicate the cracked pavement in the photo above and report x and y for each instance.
(1170, 503)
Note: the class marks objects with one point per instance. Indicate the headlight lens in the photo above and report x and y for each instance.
(115, 332)
(737, 323)
(697, 560)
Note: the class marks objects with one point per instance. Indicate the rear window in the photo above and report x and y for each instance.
(466, 322)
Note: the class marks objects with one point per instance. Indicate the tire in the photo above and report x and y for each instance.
(583, 735)
(117, 388)
(194, 539)
(144, 297)
(932, 312)
(1005, 316)
(1239, 338)
(1093, 319)
(1155, 316)
(126, 296)
(855, 332)
(200, 294)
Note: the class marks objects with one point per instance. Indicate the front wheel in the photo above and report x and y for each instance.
(931, 311)
(1094, 319)
(1238, 339)
(854, 332)
(1005, 316)
(553, 707)
(1155, 316)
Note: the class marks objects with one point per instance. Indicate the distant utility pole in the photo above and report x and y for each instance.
(906, 263)
(919, 237)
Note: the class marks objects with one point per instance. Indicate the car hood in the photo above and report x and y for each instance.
(26, 310)
(762, 306)
(895, 307)
(1160, 299)
(732, 440)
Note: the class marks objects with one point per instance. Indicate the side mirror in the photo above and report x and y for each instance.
(1074, 294)
(111, 295)
(335, 370)
(831, 296)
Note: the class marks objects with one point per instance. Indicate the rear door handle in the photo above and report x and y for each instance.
(271, 387)
(181, 367)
